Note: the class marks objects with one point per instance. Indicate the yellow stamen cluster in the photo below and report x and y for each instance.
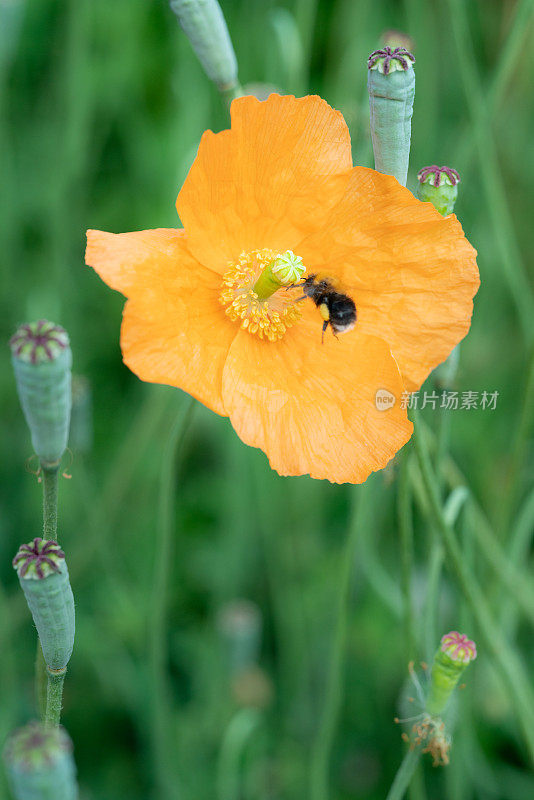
(268, 318)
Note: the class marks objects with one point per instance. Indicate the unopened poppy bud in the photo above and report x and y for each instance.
(42, 360)
(40, 764)
(455, 652)
(391, 86)
(204, 25)
(438, 185)
(44, 579)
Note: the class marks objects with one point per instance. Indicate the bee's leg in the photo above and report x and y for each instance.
(294, 286)
(300, 299)
(325, 326)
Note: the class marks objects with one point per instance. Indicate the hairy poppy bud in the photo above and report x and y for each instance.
(40, 765)
(455, 652)
(391, 86)
(44, 579)
(439, 185)
(42, 359)
(204, 25)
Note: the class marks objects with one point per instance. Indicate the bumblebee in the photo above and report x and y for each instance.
(336, 309)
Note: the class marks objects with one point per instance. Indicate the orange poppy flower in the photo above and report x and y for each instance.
(208, 309)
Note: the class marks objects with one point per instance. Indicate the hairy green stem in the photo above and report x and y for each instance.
(50, 476)
(54, 697)
(507, 664)
(404, 774)
(324, 739)
(50, 491)
(158, 694)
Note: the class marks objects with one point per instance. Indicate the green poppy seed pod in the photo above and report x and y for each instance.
(391, 86)
(44, 579)
(42, 359)
(40, 764)
(204, 25)
(455, 652)
(439, 186)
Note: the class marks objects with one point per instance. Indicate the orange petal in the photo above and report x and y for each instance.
(411, 272)
(268, 181)
(174, 329)
(311, 407)
(139, 261)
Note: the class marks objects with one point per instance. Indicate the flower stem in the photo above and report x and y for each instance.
(158, 696)
(50, 492)
(334, 688)
(404, 774)
(43, 689)
(54, 698)
(505, 660)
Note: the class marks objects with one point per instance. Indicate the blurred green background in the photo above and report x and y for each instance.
(101, 109)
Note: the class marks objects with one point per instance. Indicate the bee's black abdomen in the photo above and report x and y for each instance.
(342, 307)
(338, 310)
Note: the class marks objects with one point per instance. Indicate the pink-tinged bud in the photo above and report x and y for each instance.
(458, 647)
(438, 175)
(38, 559)
(453, 655)
(388, 60)
(42, 361)
(44, 579)
(40, 763)
(439, 186)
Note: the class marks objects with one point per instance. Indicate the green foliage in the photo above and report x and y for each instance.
(102, 106)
